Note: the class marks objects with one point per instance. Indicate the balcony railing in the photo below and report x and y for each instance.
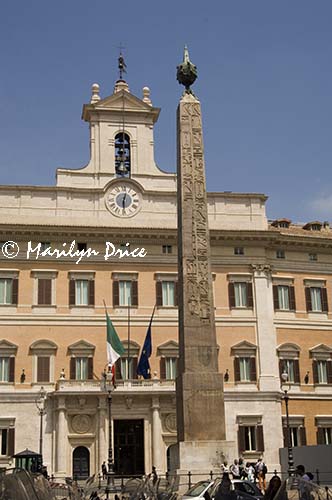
(137, 385)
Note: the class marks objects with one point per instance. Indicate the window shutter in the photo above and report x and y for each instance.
(296, 371)
(43, 369)
(253, 375)
(72, 368)
(176, 367)
(308, 299)
(320, 435)
(325, 306)
(162, 368)
(15, 291)
(281, 367)
(292, 301)
(11, 442)
(134, 293)
(329, 372)
(11, 369)
(284, 432)
(72, 300)
(231, 295)
(44, 291)
(118, 374)
(90, 368)
(260, 438)
(237, 377)
(134, 367)
(241, 439)
(115, 293)
(250, 300)
(275, 297)
(159, 295)
(315, 371)
(91, 292)
(303, 436)
(176, 293)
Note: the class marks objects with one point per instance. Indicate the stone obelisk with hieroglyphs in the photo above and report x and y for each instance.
(199, 386)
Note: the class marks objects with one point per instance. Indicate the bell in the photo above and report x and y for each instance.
(122, 169)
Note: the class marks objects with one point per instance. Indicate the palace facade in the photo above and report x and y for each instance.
(272, 293)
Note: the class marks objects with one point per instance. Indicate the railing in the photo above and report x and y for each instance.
(120, 385)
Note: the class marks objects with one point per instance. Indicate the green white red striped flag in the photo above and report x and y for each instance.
(115, 348)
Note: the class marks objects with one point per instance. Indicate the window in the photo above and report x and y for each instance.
(166, 292)
(324, 435)
(169, 355)
(250, 438)
(322, 371)
(168, 368)
(284, 298)
(238, 251)
(280, 254)
(44, 291)
(81, 292)
(313, 257)
(122, 154)
(7, 368)
(81, 247)
(297, 432)
(316, 299)
(81, 360)
(167, 249)
(7, 439)
(8, 291)
(81, 368)
(125, 292)
(245, 369)
(44, 245)
(126, 366)
(291, 367)
(240, 294)
(43, 352)
(43, 368)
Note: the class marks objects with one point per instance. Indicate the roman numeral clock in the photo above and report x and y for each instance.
(122, 199)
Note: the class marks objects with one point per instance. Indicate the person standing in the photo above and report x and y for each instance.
(261, 471)
(104, 470)
(235, 469)
(250, 472)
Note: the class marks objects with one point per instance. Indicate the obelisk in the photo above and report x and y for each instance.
(199, 385)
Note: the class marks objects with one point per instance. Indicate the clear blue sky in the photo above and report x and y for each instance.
(265, 84)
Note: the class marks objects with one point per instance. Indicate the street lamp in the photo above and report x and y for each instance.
(108, 386)
(40, 403)
(285, 389)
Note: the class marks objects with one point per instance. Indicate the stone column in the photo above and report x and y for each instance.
(266, 333)
(62, 440)
(102, 437)
(156, 435)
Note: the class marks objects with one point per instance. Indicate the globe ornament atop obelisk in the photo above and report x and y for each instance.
(199, 385)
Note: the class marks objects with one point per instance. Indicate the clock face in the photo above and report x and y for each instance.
(122, 200)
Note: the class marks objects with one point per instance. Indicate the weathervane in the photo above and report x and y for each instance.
(186, 72)
(121, 63)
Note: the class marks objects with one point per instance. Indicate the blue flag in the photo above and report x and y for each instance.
(143, 367)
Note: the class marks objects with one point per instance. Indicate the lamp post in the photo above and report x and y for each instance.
(108, 386)
(285, 386)
(40, 403)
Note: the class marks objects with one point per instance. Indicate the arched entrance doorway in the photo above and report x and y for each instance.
(81, 463)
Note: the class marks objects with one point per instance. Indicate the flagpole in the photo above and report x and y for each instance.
(128, 352)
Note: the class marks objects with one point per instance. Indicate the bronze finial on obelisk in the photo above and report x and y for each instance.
(199, 386)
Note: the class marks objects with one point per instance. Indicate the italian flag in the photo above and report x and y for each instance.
(114, 346)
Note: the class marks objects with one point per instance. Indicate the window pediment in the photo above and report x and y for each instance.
(43, 346)
(7, 348)
(81, 348)
(244, 348)
(321, 351)
(168, 349)
(134, 348)
(288, 350)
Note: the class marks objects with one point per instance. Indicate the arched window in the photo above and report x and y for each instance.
(122, 154)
